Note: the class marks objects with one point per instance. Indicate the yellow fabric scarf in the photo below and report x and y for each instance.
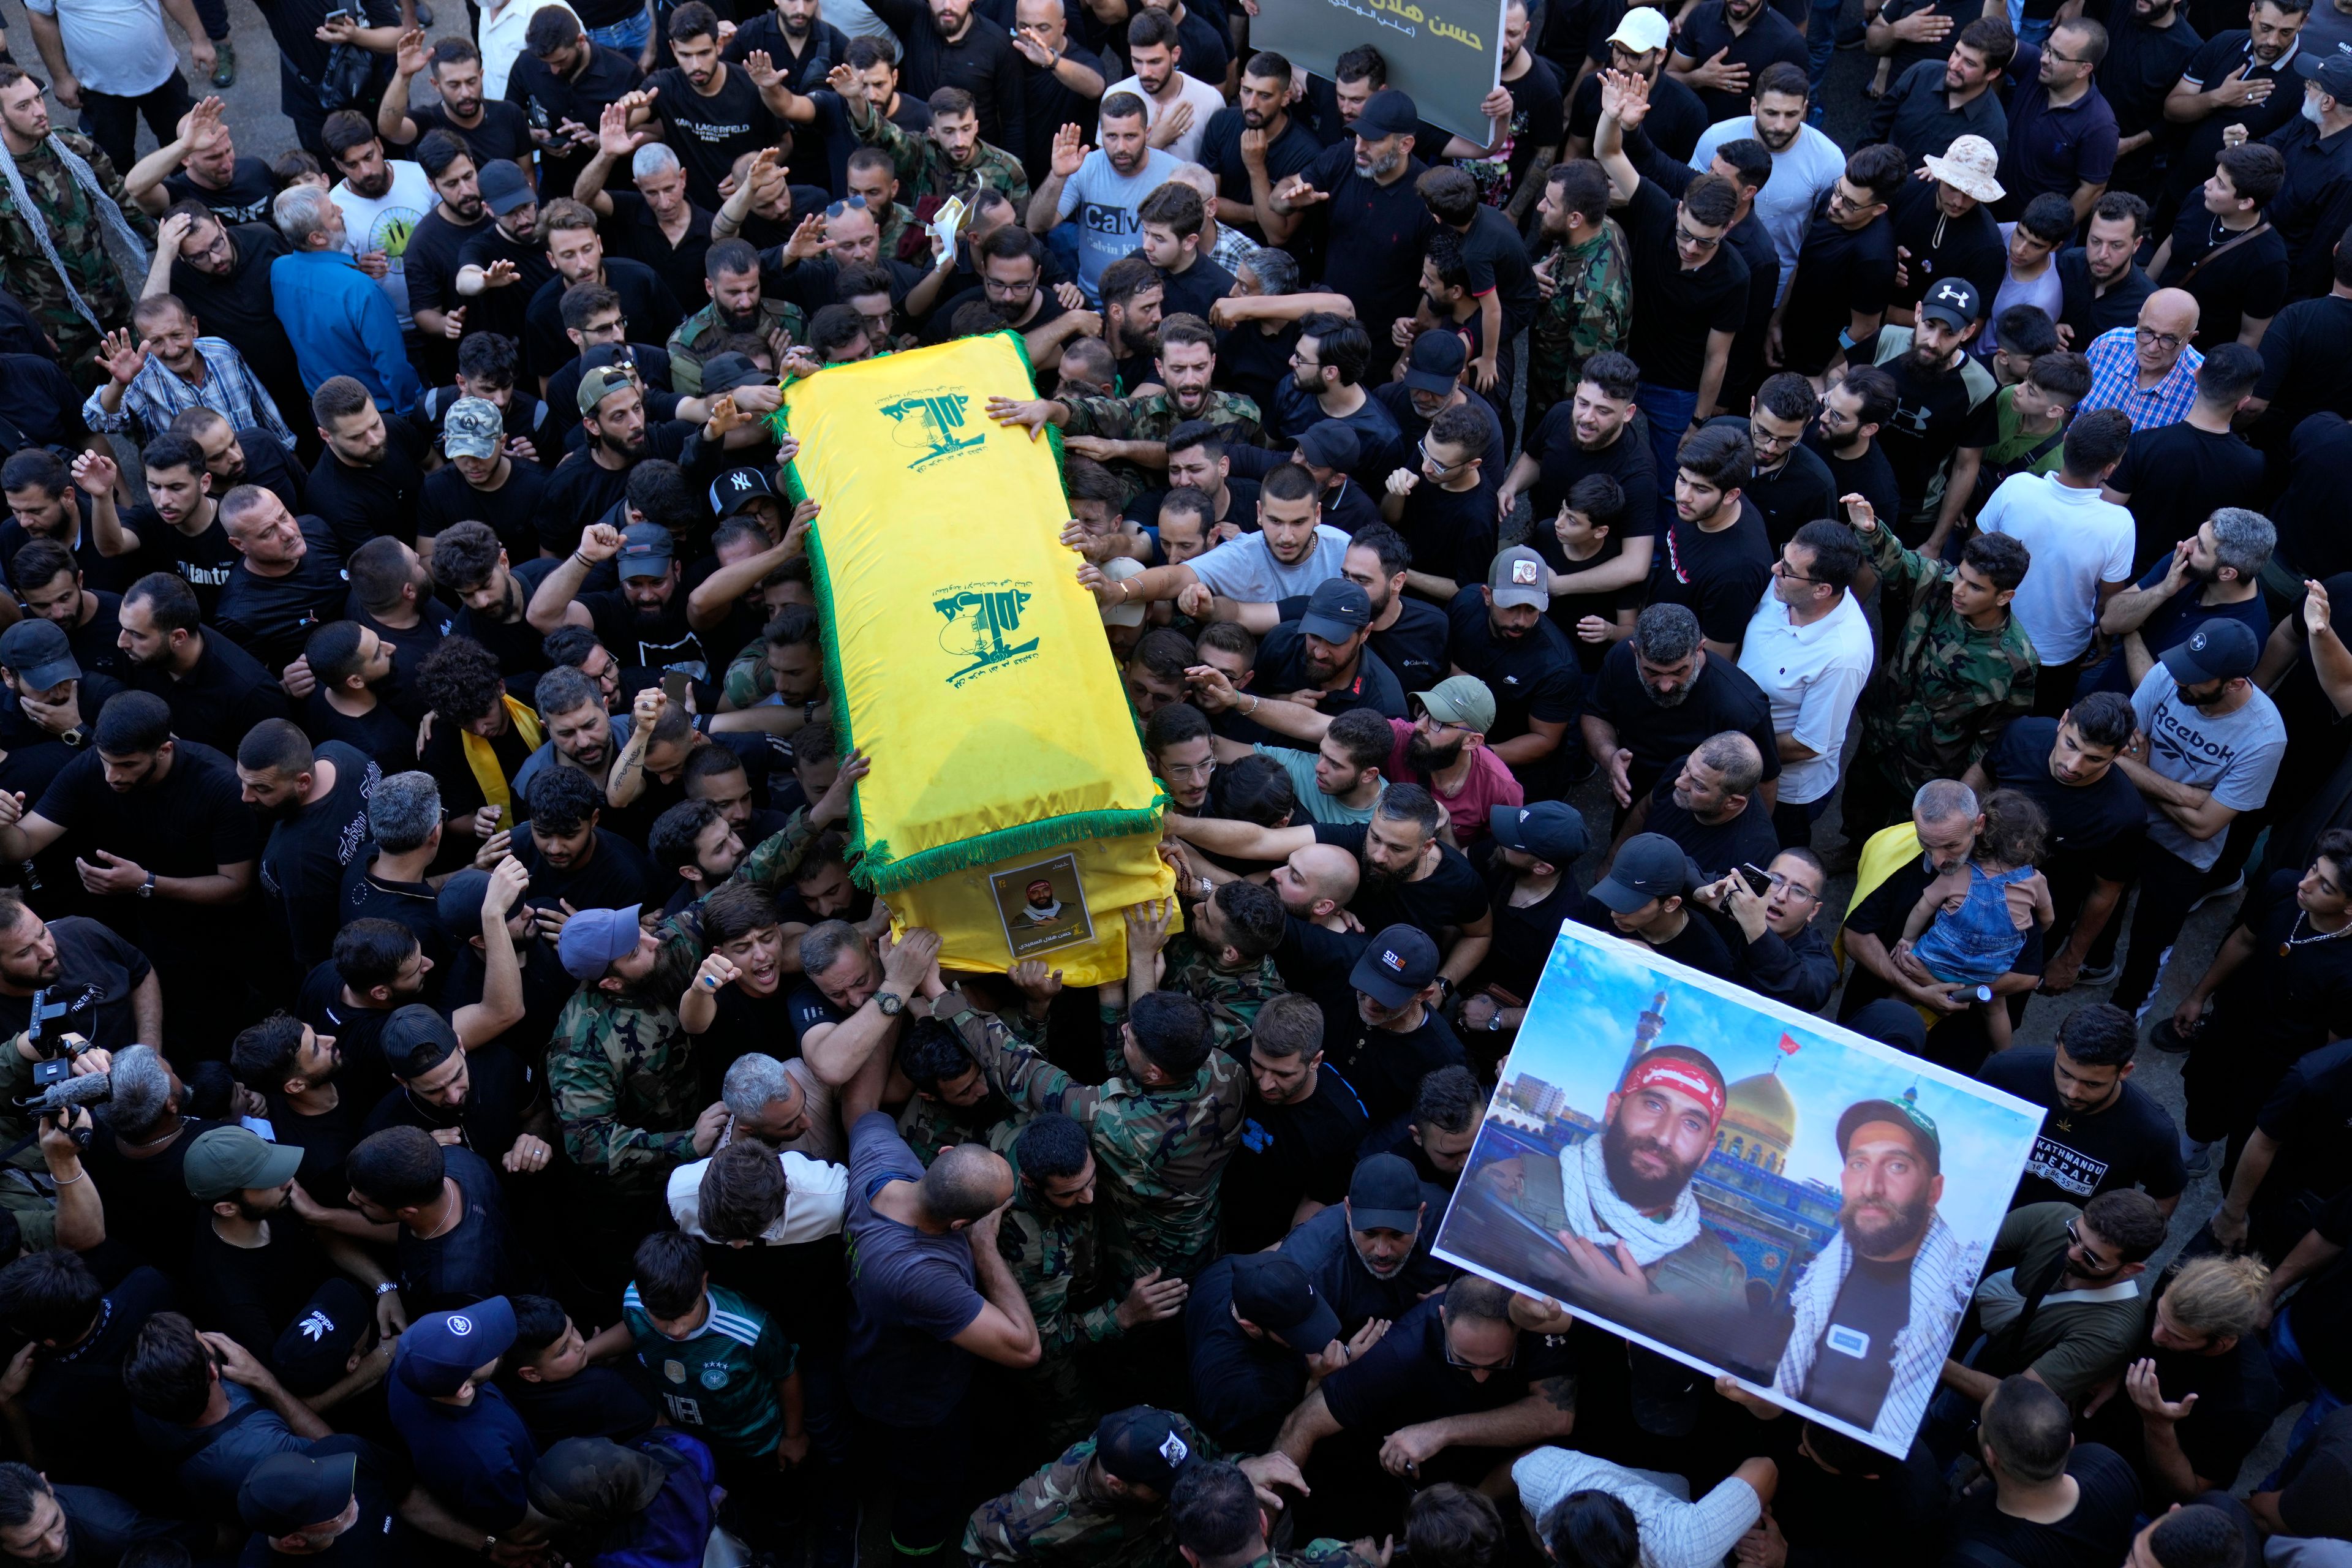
(482, 757)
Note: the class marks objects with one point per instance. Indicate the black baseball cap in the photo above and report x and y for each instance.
(460, 903)
(1436, 361)
(2223, 649)
(2331, 69)
(1387, 112)
(1650, 865)
(1143, 1447)
(1384, 1194)
(738, 488)
(1550, 830)
(1331, 445)
(1275, 1293)
(1337, 610)
(288, 1493)
(1398, 962)
(1899, 1112)
(416, 1040)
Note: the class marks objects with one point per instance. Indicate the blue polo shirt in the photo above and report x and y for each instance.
(2050, 149)
(475, 1457)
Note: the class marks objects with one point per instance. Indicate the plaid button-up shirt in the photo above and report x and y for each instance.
(157, 396)
(2115, 380)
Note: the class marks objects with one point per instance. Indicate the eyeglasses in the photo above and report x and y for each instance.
(2090, 1258)
(1789, 573)
(1434, 461)
(2050, 54)
(1690, 241)
(2161, 340)
(1186, 772)
(845, 204)
(1303, 362)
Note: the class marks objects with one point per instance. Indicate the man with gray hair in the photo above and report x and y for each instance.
(1659, 697)
(1897, 865)
(135, 1160)
(1708, 807)
(339, 320)
(781, 1103)
(2215, 572)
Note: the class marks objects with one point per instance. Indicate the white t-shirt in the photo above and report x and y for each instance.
(384, 223)
(1104, 201)
(1813, 676)
(816, 1199)
(1244, 571)
(1675, 1532)
(2078, 542)
(1810, 164)
(2234, 757)
(1205, 100)
(116, 46)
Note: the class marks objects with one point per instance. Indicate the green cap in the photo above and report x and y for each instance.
(227, 1160)
(1460, 699)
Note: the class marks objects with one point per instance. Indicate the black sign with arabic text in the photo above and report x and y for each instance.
(1446, 54)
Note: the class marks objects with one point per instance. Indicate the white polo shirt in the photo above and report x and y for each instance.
(1813, 676)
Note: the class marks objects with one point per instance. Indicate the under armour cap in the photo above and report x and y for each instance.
(1550, 830)
(505, 186)
(1384, 1194)
(1274, 1294)
(1518, 580)
(416, 1040)
(1953, 301)
(592, 938)
(1387, 112)
(1397, 967)
(645, 550)
(1337, 610)
(1650, 865)
(287, 1493)
(313, 1354)
(1436, 361)
(442, 1350)
(38, 652)
(1460, 699)
(1143, 1447)
(224, 1161)
(472, 428)
(736, 489)
(2222, 649)
(600, 384)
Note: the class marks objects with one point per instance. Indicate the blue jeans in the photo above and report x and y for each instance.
(1669, 409)
(628, 36)
(1821, 44)
(2036, 32)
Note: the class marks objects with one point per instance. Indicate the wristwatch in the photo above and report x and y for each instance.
(147, 887)
(386, 1287)
(890, 1002)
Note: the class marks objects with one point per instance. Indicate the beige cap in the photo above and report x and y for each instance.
(1118, 569)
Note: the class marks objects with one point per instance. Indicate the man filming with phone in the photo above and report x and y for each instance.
(1767, 915)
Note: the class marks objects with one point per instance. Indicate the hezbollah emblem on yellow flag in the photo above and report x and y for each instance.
(1010, 809)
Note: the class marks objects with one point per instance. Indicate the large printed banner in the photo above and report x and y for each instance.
(1746, 1188)
(1447, 55)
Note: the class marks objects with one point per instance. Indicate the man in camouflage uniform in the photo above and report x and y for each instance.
(1129, 435)
(950, 159)
(1957, 672)
(952, 1103)
(1104, 1504)
(77, 231)
(1162, 1128)
(1225, 962)
(737, 305)
(1586, 278)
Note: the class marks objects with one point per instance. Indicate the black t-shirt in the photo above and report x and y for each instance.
(358, 1033)
(1525, 935)
(2307, 1112)
(1676, 122)
(76, 1401)
(709, 133)
(596, 1402)
(1770, 38)
(417, 905)
(240, 306)
(2307, 364)
(1679, 309)
(1969, 247)
(148, 1206)
(517, 644)
(1721, 698)
(430, 262)
(1450, 533)
(2099, 1530)
(273, 617)
(1377, 234)
(1306, 1149)
(617, 876)
(1413, 648)
(191, 824)
(1497, 260)
(745, 1024)
(251, 1294)
(1281, 667)
(581, 490)
(244, 199)
(808, 1009)
(326, 1139)
(2249, 278)
(511, 510)
(376, 1537)
(1698, 944)
(548, 101)
(303, 863)
(2177, 476)
(1719, 576)
(1407, 1378)
(501, 310)
(1047, 105)
(1242, 1388)
(1220, 154)
(1532, 676)
(1385, 1067)
(1853, 1360)
(201, 560)
(1870, 475)
(500, 1088)
(1561, 462)
(470, 1262)
(632, 232)
(648, 306)
(2091, 312)
(504, 132)
(1838, 271)
(2314, 514)
(2079, 1155)
(1931, 409)
(222, 698)
(1450, 896)
(360, 504)
(2096, 832)
(661, 643)
(1747, 840)
(97, 970)
(2318, 1496)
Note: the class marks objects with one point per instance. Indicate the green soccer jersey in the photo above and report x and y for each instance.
(720, 1380)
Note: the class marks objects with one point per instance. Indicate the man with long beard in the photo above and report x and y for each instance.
(1874, 1309)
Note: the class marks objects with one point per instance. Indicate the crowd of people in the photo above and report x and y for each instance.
(464, 1104)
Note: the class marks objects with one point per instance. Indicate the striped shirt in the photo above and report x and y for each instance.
(157, 396)
(1676, 1533)
(720, 1380)
(2115, 380)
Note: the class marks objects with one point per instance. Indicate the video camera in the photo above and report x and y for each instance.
(57, 1091)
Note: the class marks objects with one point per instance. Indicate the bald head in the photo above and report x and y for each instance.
(1320, 875)
(2168, 319)
(965, 1183)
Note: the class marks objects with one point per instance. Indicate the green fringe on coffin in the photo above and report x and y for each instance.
(873, 866)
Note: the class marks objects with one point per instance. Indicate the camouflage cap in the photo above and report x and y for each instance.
(472, 428)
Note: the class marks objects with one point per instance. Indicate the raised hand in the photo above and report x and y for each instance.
(763, 72)
(613, 137)
(1858, 512)
(499, 274)
(1069, 152)
(848, 84)
(123, 356)
(408, 53)
(94, 476)
(601, 541)
(2316, 611)
(808, 240)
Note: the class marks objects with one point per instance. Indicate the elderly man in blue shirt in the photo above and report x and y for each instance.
(340, 320)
